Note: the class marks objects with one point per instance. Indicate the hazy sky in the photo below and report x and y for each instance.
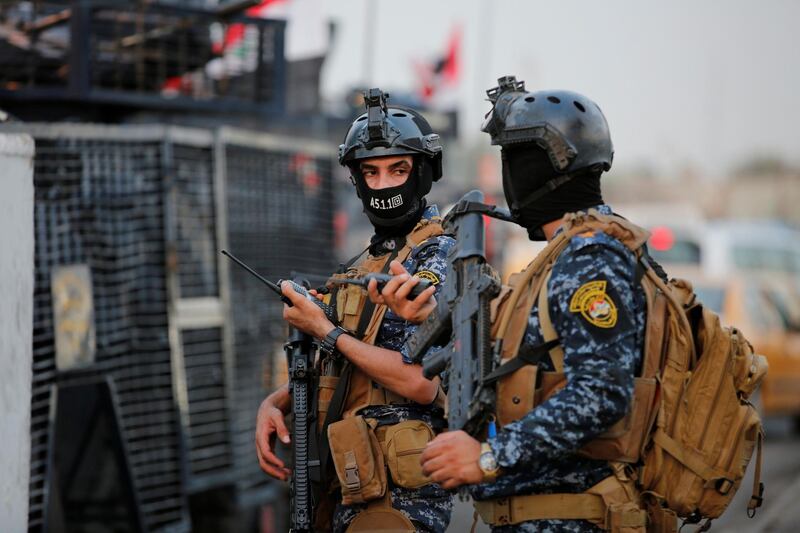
(704, 83)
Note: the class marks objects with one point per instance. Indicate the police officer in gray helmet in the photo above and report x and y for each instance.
(580, 308)
(379, 412)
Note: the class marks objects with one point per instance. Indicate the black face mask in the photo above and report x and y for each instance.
(526, 169)
(394, 207)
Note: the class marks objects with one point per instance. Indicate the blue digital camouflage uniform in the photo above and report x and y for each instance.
(428, 507)
(537, 452)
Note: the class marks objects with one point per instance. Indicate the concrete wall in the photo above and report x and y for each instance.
(16, 326)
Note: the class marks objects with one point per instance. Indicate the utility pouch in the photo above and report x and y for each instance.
(358, 459)
(661, 520)
(626, 518)
(623, 514)
(404, 444)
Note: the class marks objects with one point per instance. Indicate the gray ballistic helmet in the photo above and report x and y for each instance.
(568, 126)
(392, 130)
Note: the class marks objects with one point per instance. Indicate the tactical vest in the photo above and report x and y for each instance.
(654, 449)
(363, 454)
(354, 309)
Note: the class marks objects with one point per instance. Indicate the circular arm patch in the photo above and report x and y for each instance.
(594, 305)
(428, 275)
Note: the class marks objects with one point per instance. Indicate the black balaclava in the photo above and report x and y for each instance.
(527, 168)
(394, 210)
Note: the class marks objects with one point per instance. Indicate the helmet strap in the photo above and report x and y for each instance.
(549, 186)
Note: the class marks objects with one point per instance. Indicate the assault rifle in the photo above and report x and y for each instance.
(461, 323)
(301, 350)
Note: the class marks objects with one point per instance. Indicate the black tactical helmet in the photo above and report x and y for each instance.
(392, 130)
(569, 126)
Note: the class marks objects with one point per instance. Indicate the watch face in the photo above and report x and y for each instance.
(487, 462)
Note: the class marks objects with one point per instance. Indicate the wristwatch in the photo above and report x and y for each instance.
(328, 345)
(488, 463)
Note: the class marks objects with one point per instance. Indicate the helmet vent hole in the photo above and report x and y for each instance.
(553, 99)
(361, 119)
(530, 99)
(399, 115)
(580, 107)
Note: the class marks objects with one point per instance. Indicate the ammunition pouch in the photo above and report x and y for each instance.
(358, 460)
(361, 455)
(403, 445)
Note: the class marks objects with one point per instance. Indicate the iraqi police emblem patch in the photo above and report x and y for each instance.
(594, 305)
(428, 275)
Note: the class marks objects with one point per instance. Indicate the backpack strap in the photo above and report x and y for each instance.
(757, 496)
(548, 331)
(691, 459)
(519, 303)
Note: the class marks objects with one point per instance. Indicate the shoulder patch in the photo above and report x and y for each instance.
(594, 304)
(428, 275)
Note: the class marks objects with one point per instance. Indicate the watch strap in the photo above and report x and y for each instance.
(488, 475)
(328, 344)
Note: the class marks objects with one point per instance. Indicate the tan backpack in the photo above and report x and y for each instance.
(706, 429)
(691, 430)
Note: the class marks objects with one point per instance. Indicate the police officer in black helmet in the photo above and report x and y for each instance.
(580, 308)
(392, 131)
(555, 145)
(393, 157)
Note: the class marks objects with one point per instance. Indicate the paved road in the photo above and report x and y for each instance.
(780, 473)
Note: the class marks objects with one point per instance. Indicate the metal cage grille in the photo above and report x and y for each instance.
(196, 243)
(209, 440)
(146, 208)
(99, 203)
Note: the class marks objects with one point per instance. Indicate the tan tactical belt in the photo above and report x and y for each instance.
(612, 504)
(516, 509)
